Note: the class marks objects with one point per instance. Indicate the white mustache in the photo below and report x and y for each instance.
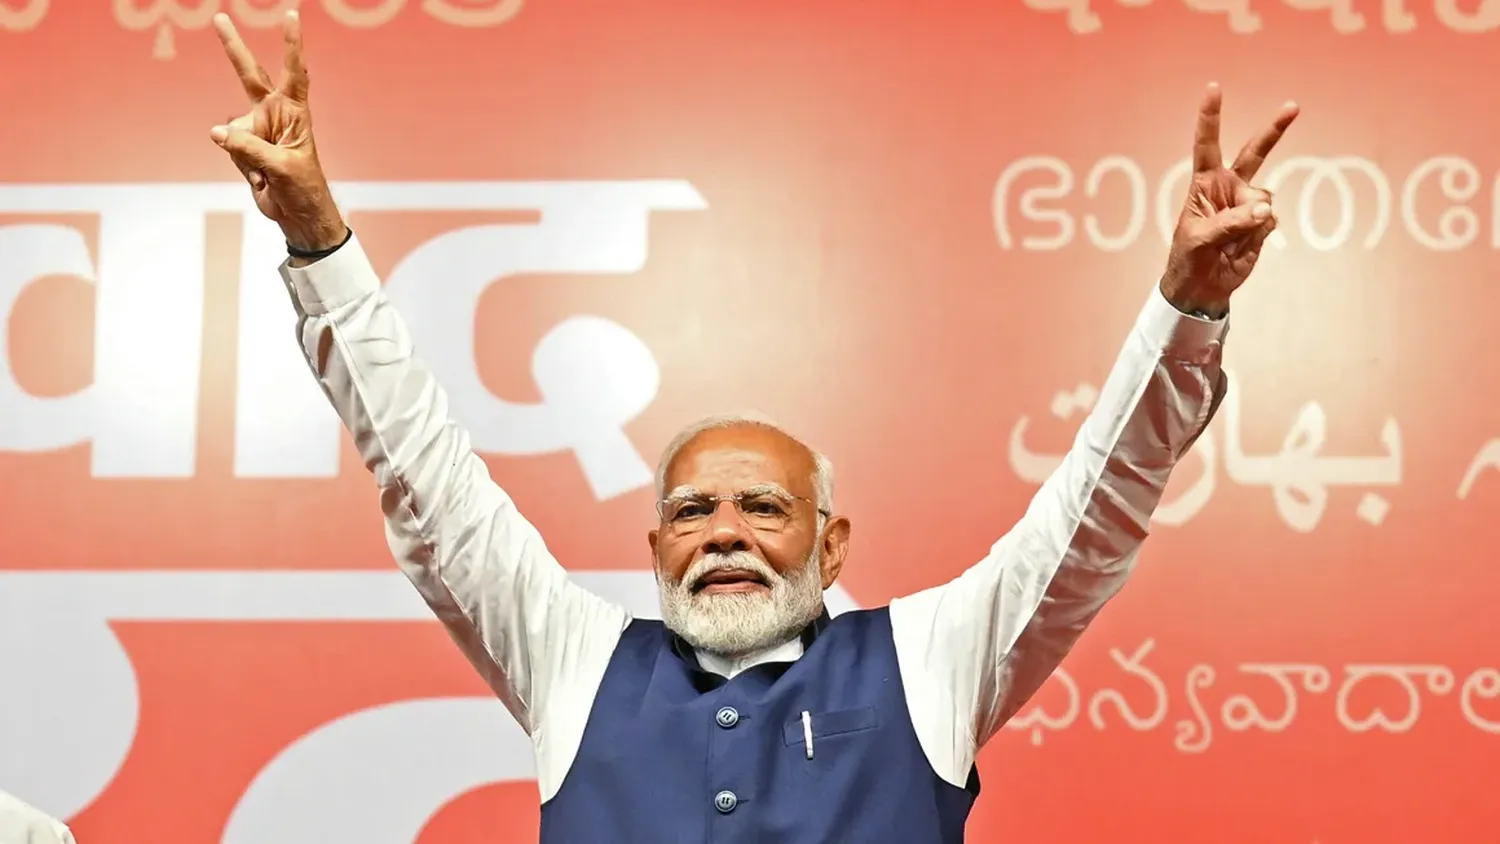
(740, 560)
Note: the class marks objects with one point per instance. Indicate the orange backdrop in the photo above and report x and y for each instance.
(914, 232)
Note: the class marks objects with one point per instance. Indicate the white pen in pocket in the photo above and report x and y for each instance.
(807, 732)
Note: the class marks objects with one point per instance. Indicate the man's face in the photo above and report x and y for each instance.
(736, 579)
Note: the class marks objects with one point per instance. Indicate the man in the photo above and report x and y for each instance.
(750, 715)
(22, 824)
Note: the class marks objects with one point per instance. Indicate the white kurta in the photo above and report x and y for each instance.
(971, 651)
(23, 824)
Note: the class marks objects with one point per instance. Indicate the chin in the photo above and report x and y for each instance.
(728, 624)
(742, 621)
(732, 643)
(736, 623)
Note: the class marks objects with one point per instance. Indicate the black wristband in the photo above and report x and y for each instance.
(318, 254)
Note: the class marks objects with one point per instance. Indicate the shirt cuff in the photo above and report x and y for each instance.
(341, 278)
(1179, 335)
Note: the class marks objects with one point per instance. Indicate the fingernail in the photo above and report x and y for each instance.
(219, 134)
(1261, 211)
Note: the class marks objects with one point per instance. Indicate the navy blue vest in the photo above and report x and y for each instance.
(673, 754)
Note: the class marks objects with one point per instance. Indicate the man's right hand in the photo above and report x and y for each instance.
(272, 144)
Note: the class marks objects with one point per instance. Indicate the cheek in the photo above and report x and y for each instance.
(673, 559)
(787, 553)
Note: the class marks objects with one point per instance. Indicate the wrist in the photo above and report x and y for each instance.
(1208, 305)
(324, 232)
(303, 257)
(1211, 310)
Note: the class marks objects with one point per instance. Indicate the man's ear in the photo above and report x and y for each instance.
(834, 547)
(651, 538)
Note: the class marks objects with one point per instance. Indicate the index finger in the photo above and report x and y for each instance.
(1248, 162)
(253, 78)
(1206, 154)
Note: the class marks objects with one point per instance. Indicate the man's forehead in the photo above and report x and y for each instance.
(743, 453)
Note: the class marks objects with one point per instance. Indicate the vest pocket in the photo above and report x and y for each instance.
(830, 723)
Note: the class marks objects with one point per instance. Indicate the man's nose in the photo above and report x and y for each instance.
(727, 531)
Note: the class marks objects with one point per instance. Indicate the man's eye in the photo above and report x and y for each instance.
(764, 507)
(691, 511)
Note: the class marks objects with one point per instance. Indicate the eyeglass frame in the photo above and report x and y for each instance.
(757, 491)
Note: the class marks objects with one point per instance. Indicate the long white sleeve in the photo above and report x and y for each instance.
(540, 641)
(20, 823)
(972, 651)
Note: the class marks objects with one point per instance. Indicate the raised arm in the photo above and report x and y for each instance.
(982, 644)
(478, 563)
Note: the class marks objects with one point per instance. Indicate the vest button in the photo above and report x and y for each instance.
(727, 717)
(725, 801)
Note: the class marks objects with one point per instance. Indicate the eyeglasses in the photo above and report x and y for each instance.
(762, 509)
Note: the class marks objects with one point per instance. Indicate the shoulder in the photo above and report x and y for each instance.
(863, 624)
(861, 619)
(643, 633)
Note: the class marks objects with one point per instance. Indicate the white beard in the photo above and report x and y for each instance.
(733, 624)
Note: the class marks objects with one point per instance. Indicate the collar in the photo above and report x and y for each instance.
(728, 667)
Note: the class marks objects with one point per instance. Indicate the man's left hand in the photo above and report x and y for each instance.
(1225, 221)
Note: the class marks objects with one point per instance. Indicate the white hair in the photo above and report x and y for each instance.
(822, 467)
(736, 624)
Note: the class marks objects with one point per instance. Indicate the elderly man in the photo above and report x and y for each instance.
(20, 823)
(748, 715)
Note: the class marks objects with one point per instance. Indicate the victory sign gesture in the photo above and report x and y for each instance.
(272, 144)
(1225, 220)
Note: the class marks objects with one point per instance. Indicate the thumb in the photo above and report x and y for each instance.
(1237, 221)
(244, 146)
